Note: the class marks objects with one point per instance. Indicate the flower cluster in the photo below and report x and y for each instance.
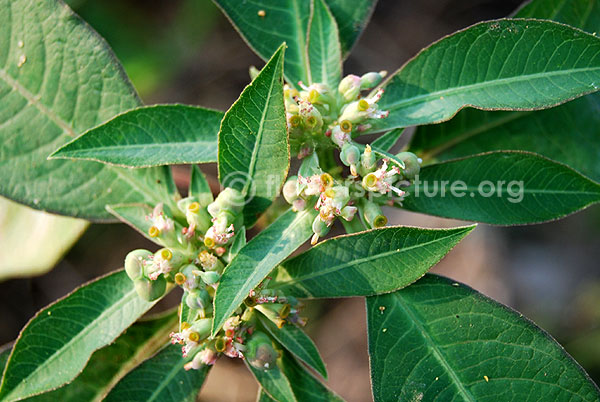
(318, 118)
(194, 256)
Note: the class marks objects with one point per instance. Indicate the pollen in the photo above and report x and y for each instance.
(209, 242)
(326, 180)
(346, 126)
(194, 207)
(262, 13)
(194, 336)
(380, 221)
(166, 254)
(486, 378)
(363, 105)
(180, 278)
(153, 231)
(295, 121)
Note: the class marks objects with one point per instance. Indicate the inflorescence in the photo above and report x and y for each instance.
(196, 250)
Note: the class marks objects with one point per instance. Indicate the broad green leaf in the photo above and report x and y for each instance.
(501, 188)
(324, 50)
(199, 186)
(263, 396)
(584, 14)
(150, 136)
(440, 340)
(508, 64)
(258, 258)
(23, 229)
(266, 24)
(254, 155)
(274, 383)
(57, 343)
(298, 343)
(58, 78)
(387, 141)
(109, 364)
(566, 134)
(305, 386)
(161, 378)
(352, 16)
(368, 263)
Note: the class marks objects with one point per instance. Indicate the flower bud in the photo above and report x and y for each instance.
(229, 200)
(196, 215)
(290, 190)
(209, 261)
(275, 312)
(210, 277)
(350, 155)
(253, 72)
(371, 80)
(187, 277)
(374, 216)
(411, 163)
(204, 357)
(368, 160)
(198, 299)
(311, 115)
(135, 262)
(349, 87)
(151, 290)
(348, 212)
(202, 328)
(319, 228)
(260, 352)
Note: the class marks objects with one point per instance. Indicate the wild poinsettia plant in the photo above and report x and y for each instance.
(77, 141)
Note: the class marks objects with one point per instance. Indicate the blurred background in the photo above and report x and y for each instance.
(186, 51)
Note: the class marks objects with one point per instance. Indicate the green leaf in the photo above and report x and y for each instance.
(324, 50)
(501, 188)
(257, 259)
(508, 64)
(439, 340)
(254, 155)
(352, 16)
(161, 378)
(150, 136)
(582, 14)
(57, 343)
(263, 396)
(283, 21)
(133, 215)
(4, 355)
(274, 383)
(367, 263)
(565, 134)
(58, 78)
(304, 385)
(298, 343)
(387, 141)
(23, 229)
(109, 364)
(199, 186)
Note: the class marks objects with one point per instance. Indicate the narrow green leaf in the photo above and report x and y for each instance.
(324, 50)
(352, 17)
(565, 134)
(56, 344)
(387, 141)
(368, 263)
(150, 136)
(274, 383)
(23, 229)
(298, 343)
(109, 364)
(58, 78)
(254, 155)
(501, 188)
(440, 340)
(305, 386)
(4, 355)
(266, 24)
(161, 378)
(508, 64)
(199, 186)
(258, 258)
(263, 396)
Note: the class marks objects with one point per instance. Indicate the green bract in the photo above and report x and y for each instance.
(66, 96)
